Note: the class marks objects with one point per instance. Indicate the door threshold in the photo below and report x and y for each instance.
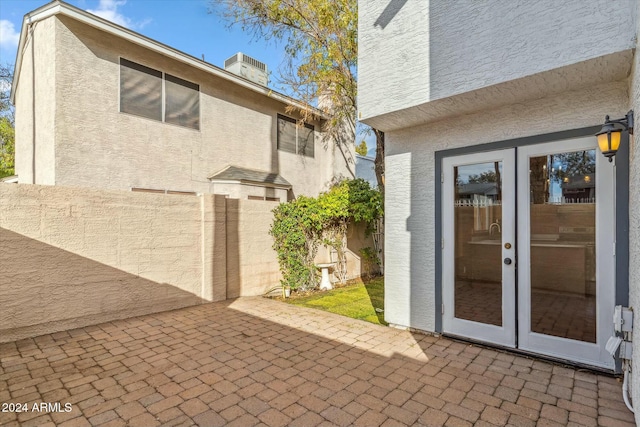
(535, 356)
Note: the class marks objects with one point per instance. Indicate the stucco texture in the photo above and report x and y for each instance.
(410, 197)
(71, 257)
(35, 127)
(634, 222)
(412, 53)
(89, 143)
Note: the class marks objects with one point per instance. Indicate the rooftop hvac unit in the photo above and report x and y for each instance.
(247, 67)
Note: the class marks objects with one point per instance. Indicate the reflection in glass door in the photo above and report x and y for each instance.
(562, 244)
(479, 250)
(565, 260)
(478, 238)
(565, 251)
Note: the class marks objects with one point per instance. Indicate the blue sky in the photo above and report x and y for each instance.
(185, 25)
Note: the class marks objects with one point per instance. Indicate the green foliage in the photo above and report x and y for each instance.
(369, 259)
(362, 148)
(7, 147)
(321, 42)
(7, 124)
(483, 178)
(300, 226)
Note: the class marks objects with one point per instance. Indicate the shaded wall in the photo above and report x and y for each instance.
(71, 257)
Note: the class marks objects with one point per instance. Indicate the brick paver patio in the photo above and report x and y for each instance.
(259, 362)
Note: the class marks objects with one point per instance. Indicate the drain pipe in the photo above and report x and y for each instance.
(620, 345)
(625, 384)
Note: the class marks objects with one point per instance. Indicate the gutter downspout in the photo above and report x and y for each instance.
(33, 102)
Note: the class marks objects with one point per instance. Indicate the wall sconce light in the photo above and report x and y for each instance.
(610, 135)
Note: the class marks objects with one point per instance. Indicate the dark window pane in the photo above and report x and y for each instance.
(182, 102)
(140, 90)
(305, 141)
(286, 134)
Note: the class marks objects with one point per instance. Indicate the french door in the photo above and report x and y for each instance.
(528, 257)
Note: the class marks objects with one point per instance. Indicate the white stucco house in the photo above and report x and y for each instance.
(505, 224)
(98, 105)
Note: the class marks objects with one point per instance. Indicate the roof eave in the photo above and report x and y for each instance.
(248, 182)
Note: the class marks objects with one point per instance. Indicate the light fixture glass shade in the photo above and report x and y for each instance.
(609, 140)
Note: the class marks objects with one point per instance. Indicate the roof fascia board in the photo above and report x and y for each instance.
(247, 182)
(57, 8)
(265, 184)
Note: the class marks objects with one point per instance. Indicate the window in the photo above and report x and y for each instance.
(266, 198)
(295, 139)
(140, 90)
(159, 96)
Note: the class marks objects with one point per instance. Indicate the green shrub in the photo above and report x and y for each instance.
(300, 226)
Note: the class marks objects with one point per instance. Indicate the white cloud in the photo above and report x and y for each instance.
(8, 35)
(108, 9)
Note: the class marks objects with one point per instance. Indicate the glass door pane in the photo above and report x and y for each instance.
(478, 242)
(566, 262)
(478, 230)
(562, 244)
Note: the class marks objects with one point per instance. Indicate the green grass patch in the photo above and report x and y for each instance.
(358, 301)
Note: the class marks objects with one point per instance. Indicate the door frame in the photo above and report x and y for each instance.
(621, 203)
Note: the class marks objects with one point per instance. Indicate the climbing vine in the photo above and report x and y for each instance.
(302, 225)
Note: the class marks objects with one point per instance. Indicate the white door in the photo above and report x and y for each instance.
(478, 202)
(566, 229)
(558, 243)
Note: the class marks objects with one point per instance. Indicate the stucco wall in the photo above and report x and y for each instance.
(414, 52)
(410, 197)
(634, 222)
(97, 146)
(39, 55)
(71, 257)
(252, 264)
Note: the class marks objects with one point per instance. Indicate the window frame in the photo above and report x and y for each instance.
(163, 95)
(294, 121)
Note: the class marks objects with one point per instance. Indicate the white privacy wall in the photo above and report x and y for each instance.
(414, 52)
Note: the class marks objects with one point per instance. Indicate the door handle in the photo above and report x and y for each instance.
(507, 261)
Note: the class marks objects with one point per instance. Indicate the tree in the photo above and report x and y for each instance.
(7, 123)
(362, 148)
(483, 178)
(320, 39)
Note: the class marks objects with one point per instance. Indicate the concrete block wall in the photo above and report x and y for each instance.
(252, 264)
(72, 257)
